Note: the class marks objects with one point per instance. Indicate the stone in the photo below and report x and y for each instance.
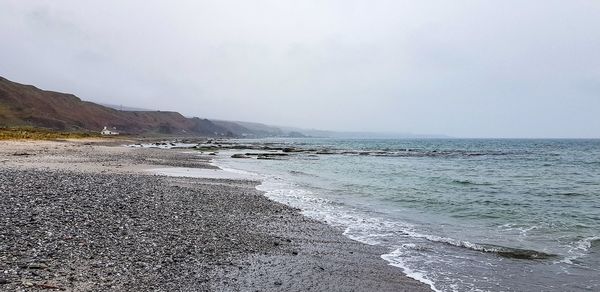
(239, 156)
(37, 266)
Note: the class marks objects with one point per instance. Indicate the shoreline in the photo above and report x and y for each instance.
(190, 234)
(343, 228)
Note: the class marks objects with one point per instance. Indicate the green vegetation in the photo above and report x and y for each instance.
(31, 133)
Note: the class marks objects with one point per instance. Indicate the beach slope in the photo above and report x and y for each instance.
(84, 216)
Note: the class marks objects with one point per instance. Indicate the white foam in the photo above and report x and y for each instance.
(395, 259)
(368, 230)
(579, 249)
(586, 243)
(165, 145)
(454, 242)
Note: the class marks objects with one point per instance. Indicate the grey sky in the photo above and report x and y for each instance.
(461, 68)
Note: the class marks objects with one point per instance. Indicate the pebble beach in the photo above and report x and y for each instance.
(87, 215)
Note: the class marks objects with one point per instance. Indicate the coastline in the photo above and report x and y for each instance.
(88, 216)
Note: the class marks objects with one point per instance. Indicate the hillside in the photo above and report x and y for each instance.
(26, 105)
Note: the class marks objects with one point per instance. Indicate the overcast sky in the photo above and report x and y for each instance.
(523, 68)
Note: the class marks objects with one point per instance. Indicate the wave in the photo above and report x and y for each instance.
(581, 248)
(395, 259)
(410, 152)
(301, 173)
(503, 251)
(570, 194)
(373, 230)
(588, 243)
(468, 182)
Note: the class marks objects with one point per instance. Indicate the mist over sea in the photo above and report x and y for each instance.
(460, 215)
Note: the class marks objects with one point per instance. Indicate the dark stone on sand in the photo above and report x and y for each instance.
(27, 284)
(37, 266)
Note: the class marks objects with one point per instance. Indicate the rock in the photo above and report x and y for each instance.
(27, 284)
(278, 283)
(267, 154)
(50, 286)
(289, 149)
(4, 281)
(37, 266)
(239, 156)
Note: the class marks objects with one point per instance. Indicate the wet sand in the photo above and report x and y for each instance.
(89, 216)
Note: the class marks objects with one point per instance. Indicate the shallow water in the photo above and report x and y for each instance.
(460, 215)
(203, 173)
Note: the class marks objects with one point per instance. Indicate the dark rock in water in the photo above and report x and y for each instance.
(516, 253)
(267, 154)
(288, 149)
(239, 156)
(278, 283)
(525, 255)
(4, 281)
(273, 156)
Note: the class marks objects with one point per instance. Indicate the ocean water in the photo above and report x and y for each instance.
(459, 215)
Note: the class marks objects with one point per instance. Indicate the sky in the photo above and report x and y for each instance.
(509, 68)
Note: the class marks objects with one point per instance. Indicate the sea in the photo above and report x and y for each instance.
(456, 214)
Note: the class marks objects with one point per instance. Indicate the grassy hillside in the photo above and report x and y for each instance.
(30, 133)
(25, 105)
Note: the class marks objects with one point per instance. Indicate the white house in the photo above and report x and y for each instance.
(106, 131)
